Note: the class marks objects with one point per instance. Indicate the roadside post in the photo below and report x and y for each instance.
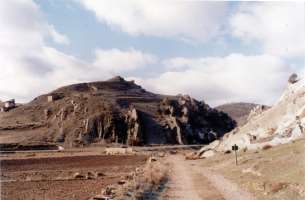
(235, 149)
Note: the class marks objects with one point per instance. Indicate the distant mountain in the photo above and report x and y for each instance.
(111, 111)
(238, 111)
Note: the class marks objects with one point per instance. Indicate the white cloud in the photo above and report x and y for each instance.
(280, 27)
(57, 37)
(29, 67)
(192, 21)
(220, 80)
(115, 60)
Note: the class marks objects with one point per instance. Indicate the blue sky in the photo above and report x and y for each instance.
(87, 34)
(219, 52)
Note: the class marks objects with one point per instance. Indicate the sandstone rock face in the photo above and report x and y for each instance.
(284, 122)
(113, 111)
(133, 125)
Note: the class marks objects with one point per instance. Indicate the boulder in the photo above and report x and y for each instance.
(208, 154)
(293, 78)
(78, 175)
(122, 182)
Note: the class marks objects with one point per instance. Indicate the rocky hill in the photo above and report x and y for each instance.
(110, 111)
(282, 123)
(238, 111)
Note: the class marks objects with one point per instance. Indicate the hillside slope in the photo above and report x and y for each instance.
(238, 111)
(282, 123)
(112, 111)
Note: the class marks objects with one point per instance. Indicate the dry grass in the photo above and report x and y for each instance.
(281, 168)
(146, 182)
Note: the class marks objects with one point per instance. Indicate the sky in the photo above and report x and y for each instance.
(219, 52)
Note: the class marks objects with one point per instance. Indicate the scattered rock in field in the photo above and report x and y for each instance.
(130, 176)
(276, 187)
(139, 170)
(298, 188)
(161, 154)
(99, 174)
(267, 146)
(118, 150)
(152, 159)
(77, 175)
(129, 194)
(192, 156)
(251, 171)
(91, 175)
(173, 152)
(108, 191)
(122, 182)
(227, 152)
(101, 197)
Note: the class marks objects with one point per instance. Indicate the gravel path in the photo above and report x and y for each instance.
(186, 183)
(190, 181)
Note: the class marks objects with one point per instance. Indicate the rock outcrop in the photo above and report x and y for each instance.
(113, 111)
(133, 123)
(256, 111)
(282, 123)
(191, 121)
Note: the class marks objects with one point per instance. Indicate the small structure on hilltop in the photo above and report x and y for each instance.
(53, 97)
(8, 105)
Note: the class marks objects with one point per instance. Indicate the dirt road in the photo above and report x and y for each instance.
(190, 181)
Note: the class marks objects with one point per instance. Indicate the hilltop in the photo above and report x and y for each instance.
(112, 111)
(238, 111)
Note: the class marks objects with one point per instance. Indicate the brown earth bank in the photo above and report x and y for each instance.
(69, 177)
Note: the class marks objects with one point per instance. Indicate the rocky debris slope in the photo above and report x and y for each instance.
(238, 111)
(112, 111)
(282, 123)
